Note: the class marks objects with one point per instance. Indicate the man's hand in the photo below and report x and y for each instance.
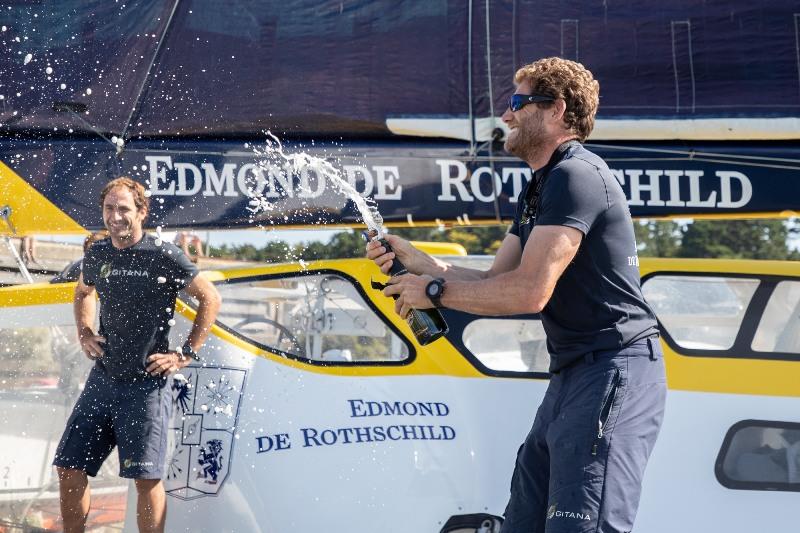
(91, 344)
(411, 258)
(410, 291)
(162, 364)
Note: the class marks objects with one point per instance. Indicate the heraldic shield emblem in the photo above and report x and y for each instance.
(204, 416)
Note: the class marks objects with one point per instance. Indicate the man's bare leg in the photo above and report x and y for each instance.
(151, 506)
(75, 498)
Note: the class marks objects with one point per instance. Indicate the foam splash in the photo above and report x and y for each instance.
(297, 164)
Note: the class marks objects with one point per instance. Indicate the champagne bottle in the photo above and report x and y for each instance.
(426, 324)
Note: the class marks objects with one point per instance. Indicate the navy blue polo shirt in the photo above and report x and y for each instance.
(137, 287)
(597, 303)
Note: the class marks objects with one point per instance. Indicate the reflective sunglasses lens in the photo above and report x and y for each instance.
(517, 102)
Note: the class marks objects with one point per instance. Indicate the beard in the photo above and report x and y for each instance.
(526, 140)
(120, 231)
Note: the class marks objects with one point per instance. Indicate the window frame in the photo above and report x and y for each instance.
(412, 353)
(742, 347)
(763, 313)
(457, 322)
(735, 484)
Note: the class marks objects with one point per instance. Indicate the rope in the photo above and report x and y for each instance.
(469, 80)
(491, 114)
(135, 107)
(692, 154)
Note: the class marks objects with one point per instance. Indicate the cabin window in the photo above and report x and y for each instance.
(779, 329)
(515, 345)
(319, 317)
(700, 312)
(760, 455)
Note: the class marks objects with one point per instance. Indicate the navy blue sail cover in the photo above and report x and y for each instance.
(210, 184)
(186, 84)
(341, 68)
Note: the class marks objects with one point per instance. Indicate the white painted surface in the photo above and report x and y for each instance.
(407, 485)
(700, 129)
(417, 485)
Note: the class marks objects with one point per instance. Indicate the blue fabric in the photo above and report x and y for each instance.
(597, 303)
(134, 416)
(570, 475)
(137, 287)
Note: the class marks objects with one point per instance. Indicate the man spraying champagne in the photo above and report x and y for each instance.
(566, 257)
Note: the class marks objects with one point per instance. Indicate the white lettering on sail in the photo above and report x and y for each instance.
(725, 177)
(653, 187)
(352, 173)
(475, 184)
(449, 181)
(387, 178)
(251, 185)
(159, 175)
(517, 174)
(215, 183)
(674, 188)
(724, 189)
(694, 191)
(183, 188)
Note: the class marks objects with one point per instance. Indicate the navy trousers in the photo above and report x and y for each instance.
(580, 469)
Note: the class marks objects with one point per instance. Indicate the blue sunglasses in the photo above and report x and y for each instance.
(518, 101)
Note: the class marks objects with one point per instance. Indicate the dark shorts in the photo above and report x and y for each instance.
(134, 416)
(580, 469)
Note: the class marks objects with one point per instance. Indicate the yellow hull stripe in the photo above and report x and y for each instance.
(697, 374)
(31, 212)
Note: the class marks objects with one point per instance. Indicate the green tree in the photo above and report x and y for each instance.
(657, 238)
(347, 244)
(475, 239)
(750, 239)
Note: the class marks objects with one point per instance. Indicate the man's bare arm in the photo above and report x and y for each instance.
(209, 301)
(507, 258)
(85, 310)
(525, 289)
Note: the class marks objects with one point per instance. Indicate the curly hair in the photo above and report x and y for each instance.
(140, 199)
(570, 81)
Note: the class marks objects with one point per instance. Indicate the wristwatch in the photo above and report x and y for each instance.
(188, 351)
(435, 290)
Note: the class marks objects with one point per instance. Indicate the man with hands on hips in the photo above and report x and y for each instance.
(127, 401)
(570, 256)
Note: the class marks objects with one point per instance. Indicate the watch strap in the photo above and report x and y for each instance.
(188, 351)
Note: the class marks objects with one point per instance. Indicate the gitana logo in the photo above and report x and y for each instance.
(551, 511)
(106, 271)
(127, 463)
